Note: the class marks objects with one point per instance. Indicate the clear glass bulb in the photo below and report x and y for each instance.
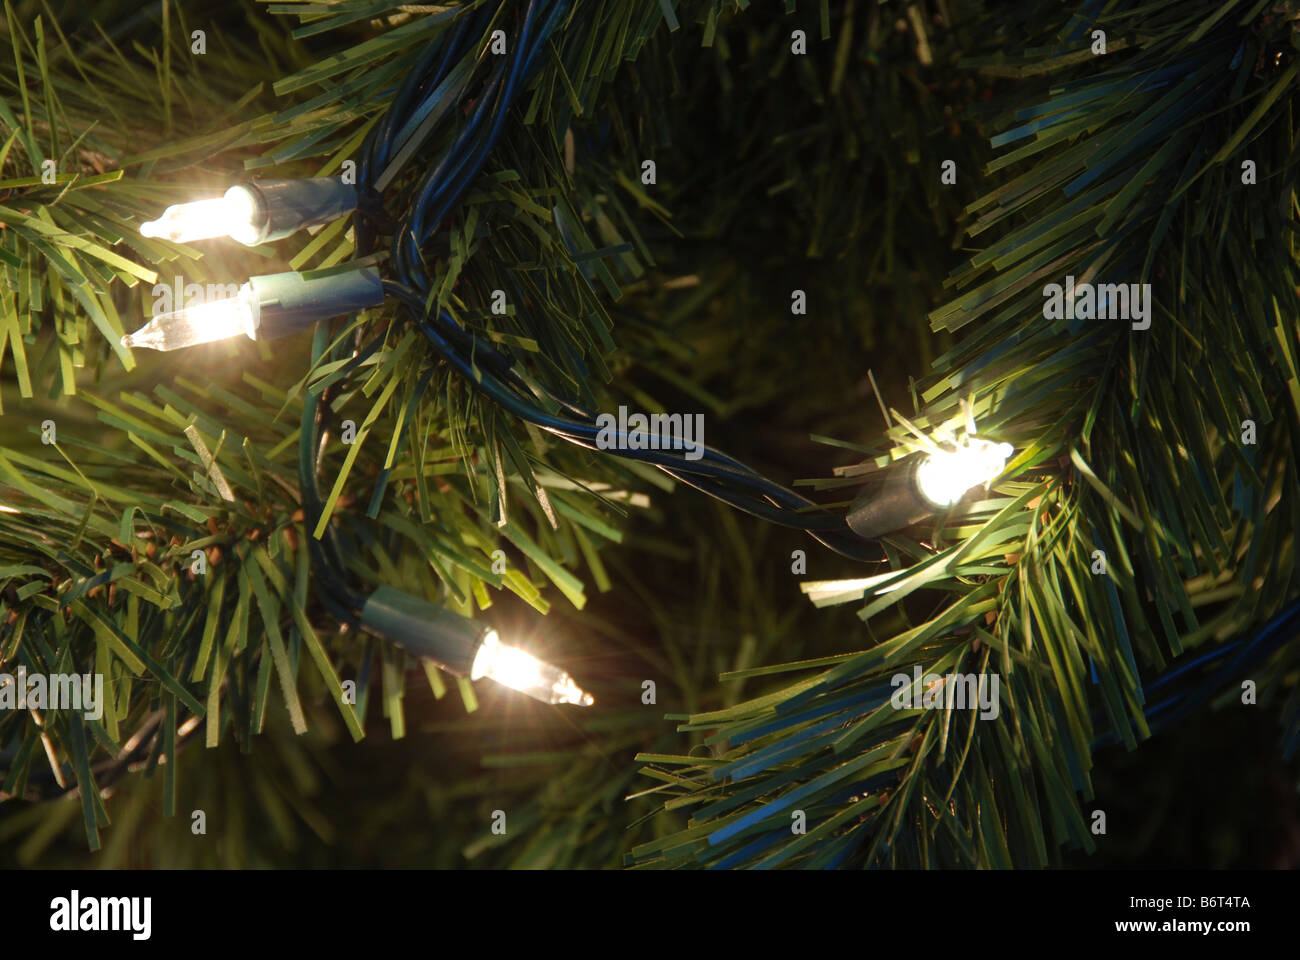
(520, 670)
(944, 477)
(236, 215)
(202, 323)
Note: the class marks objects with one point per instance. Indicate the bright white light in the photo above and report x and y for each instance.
(944, 477)
(235, 215)
(519, 670)
(203, 323)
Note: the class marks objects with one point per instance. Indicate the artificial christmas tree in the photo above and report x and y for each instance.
(460, 240)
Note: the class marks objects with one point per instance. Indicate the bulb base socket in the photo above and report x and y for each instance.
(895, 506)
(287, 206)
(420, 628)
(285, 303)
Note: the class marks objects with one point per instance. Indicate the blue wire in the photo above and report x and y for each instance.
(436, 195)
(828, 529)
(1284, 626)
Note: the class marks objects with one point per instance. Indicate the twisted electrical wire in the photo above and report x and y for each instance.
(436, 194)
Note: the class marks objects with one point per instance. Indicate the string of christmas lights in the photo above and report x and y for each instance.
(276, 305)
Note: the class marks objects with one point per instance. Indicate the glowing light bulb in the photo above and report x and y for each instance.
(202, 323)
(238, 215)
(519, 670)
(943, 478)
(272, 305)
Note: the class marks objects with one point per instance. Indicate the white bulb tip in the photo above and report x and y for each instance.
(519, 670)
(946, 476)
